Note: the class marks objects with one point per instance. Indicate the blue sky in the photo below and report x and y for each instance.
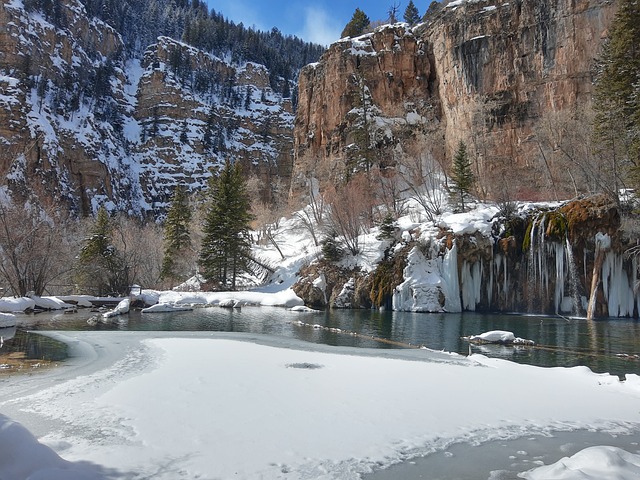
(319, 21)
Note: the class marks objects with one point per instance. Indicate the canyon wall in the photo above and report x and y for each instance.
(82, 124)
(483, 72)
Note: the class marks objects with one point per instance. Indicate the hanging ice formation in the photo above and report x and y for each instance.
(552, 272)
(543, 279)
(618, 284)
(431, 284)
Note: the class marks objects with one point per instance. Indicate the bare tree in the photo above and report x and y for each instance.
(131, 252)
(267, 220)
(141, 249)
(393, 12)
(34, 250)
(424, 178)
(350, 208)
(312, 215)
(566, 146)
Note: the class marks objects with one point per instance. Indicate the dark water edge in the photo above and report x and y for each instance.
(502, 459)
(34, 346)
(604, 345)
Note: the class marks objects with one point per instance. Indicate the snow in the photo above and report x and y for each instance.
(121, 309)
(499, 336)
(165, 307)
(302, 308)
(50, 303)
(610, 463)
(21, 304)
(7, 320)
(274, 410)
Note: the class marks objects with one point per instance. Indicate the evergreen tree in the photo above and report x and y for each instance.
(461, 177)
(411, 14)
(99, 265)
(617, 94)
(177, 236)
(226, 244)
(357, 25)
(331, 248)
(387, 228)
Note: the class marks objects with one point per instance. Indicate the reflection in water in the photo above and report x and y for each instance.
(33, 346)
(564, 342)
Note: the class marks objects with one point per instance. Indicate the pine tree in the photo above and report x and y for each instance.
(177, 236)
(461, 177)
(617, 93)
(411, 14)
(357, 25)
(387, 228)
(226, 244)
(99, 265)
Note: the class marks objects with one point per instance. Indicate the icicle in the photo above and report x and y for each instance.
(450, 276)
(471, 282)
(505, 288)
(573, 279)
(560, 275)
(490, 285)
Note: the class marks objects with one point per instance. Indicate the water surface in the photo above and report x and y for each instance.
(610, 345)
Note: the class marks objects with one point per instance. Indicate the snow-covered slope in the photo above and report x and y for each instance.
(82, 123)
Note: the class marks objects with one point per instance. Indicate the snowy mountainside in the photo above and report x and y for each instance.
(84, 125)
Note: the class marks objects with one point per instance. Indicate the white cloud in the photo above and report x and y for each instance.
(320, 27)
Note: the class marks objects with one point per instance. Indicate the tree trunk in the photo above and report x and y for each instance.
(595, 281)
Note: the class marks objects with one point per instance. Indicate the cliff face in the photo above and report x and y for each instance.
(482, 72)
(381, 82)
(82, 124)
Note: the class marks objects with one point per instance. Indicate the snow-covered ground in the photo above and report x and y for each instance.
(208, 405)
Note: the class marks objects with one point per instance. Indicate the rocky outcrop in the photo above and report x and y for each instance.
(82, 125)
(195, 110)
(542, 260)
(382, 83)
(485, 72)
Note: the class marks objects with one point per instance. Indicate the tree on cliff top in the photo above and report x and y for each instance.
(357, 25)
(617, 95)
(411, 14)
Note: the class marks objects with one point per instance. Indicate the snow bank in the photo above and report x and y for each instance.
(83, 301)
(50, 303)
(22, 304)
(285, 298)
(609, 463)
(255, 411)
(22, 457)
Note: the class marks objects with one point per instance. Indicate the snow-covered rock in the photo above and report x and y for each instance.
(121, 309)
(165, 307)
(602, 462)
(303, 308)
(83, 301)
(50, 303)
(21, 304)
(499, 336)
